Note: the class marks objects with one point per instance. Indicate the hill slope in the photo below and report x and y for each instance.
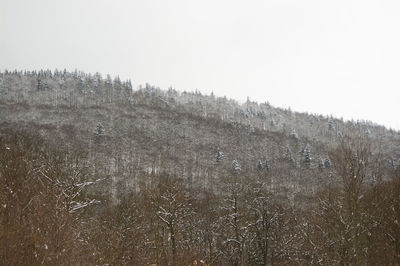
(150, 130)
(95, 173)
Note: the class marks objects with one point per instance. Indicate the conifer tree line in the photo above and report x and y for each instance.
(77, 88)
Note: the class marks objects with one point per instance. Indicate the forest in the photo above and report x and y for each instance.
(94, 172)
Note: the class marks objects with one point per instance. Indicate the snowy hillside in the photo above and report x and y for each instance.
(142, 175)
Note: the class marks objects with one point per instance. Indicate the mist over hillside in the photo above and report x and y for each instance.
(189, 177)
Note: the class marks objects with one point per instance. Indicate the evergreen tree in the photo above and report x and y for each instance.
(99, 132)
(293, 134)
(236, 166)
(327, 163)
(128, 85)
(307, 155)
(39, 84)
(330, 124)
(219, 156)
(259, 165)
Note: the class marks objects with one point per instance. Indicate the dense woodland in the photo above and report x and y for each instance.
(94, 172)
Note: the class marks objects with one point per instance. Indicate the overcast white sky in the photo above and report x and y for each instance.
(337, 57)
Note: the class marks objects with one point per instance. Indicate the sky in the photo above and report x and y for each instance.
(339, 58)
